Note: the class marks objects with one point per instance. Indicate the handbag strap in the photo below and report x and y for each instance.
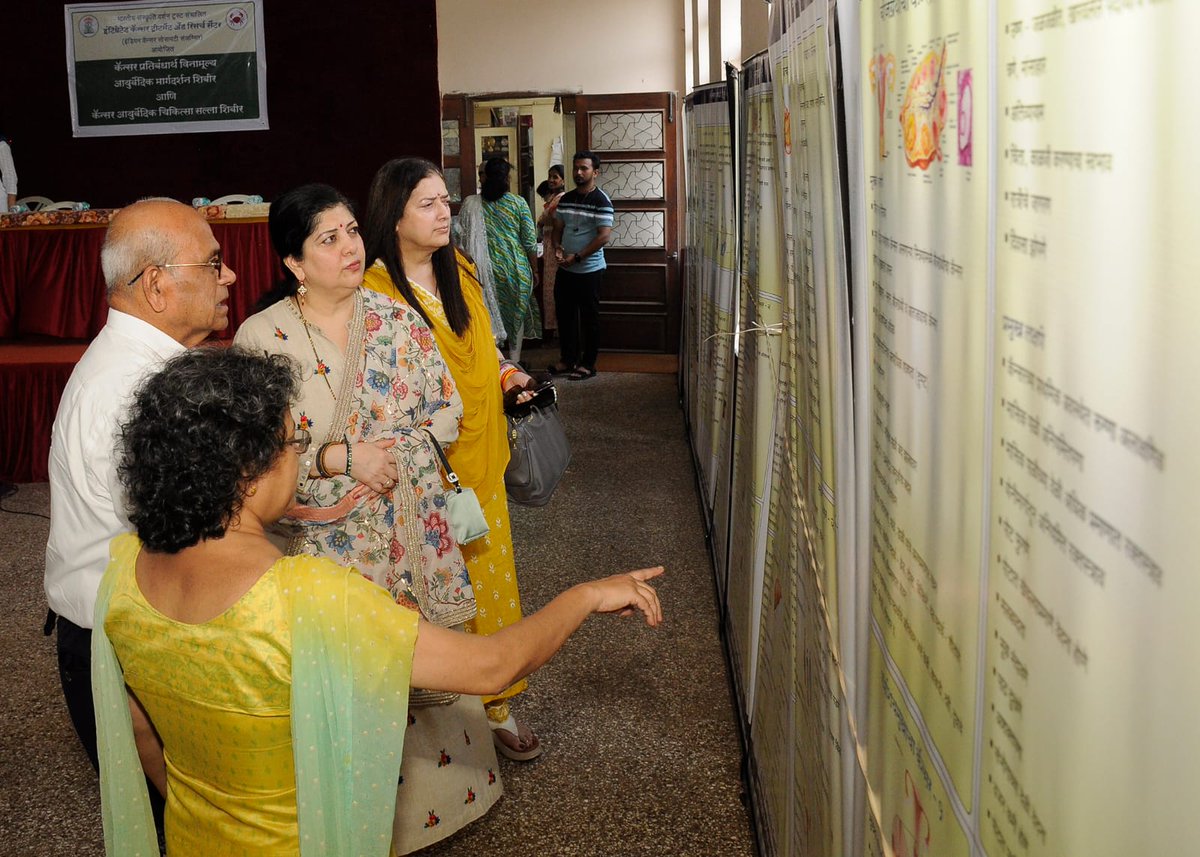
(450, 474)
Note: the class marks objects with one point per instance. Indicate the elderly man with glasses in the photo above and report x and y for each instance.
(167, 288)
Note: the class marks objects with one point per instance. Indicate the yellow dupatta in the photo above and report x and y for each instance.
(480, 454)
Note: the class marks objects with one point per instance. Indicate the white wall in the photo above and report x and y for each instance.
(699, 39)
(556, 46)
(756, 28)
(731, 34)
(721, 31)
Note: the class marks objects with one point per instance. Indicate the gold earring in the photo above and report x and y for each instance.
(252, 490)
(302, 289)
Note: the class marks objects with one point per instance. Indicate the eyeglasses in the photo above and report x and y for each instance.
(301, 441)
(216, 263)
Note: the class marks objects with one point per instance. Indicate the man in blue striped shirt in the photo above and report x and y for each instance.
(582, 226)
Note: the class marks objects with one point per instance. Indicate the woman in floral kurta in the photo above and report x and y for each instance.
(401, 389)
(379, 383)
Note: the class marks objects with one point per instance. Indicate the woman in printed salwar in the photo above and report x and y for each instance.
(374, 388)
(511, 241)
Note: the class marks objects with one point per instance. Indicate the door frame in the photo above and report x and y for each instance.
(632, 308)
(461, 107)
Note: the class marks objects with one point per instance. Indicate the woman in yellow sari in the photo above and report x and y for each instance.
(277, 685)
(408, 236)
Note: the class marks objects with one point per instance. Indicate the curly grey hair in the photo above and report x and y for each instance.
(198, 434)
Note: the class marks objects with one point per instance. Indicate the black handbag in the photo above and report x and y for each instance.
(538, 449)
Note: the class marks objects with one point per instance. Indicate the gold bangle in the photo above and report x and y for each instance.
(321, 471)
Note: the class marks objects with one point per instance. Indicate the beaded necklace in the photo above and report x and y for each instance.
(322, 368)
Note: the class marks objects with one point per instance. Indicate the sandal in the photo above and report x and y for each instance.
(521, 747)
(559, 369)
(582, 373)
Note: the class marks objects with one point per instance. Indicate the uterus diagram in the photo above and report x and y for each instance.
(882, 73)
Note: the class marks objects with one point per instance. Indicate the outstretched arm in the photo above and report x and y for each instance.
(467, 663)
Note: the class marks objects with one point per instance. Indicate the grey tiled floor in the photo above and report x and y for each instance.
(642, 754)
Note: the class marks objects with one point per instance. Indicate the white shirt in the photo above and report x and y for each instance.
(8, 172)
(87, 507)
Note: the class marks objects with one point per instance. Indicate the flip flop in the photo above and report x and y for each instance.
(556, 369)
(582, 373)
(520, 747)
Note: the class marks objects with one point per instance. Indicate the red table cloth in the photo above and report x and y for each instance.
(51, 284)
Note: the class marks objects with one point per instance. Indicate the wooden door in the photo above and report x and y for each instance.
(458, 149)
(636, 137)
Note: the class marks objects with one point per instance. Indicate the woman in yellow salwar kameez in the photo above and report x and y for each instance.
(408, 236)
(276, 686)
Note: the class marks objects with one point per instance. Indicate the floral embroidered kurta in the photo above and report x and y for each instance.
(401, 387)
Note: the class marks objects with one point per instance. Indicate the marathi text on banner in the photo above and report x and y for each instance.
(159, 68)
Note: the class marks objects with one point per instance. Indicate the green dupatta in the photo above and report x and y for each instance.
(349, 703)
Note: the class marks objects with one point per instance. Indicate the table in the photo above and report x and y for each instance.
(32, 379)
(52, 300)
(51, 284)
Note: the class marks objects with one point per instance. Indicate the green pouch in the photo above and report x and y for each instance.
(467, 522)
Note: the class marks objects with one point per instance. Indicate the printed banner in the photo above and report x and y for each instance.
(1092, 673)
(912, 813)
(818, 432)
(925, 157)
(712, 259)
(759, 397)
(758, 392)
(166, 67)
(1012, 674)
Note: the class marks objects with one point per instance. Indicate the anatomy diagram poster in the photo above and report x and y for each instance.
(925, 157)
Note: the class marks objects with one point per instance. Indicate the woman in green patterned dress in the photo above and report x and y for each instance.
(512, 249)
